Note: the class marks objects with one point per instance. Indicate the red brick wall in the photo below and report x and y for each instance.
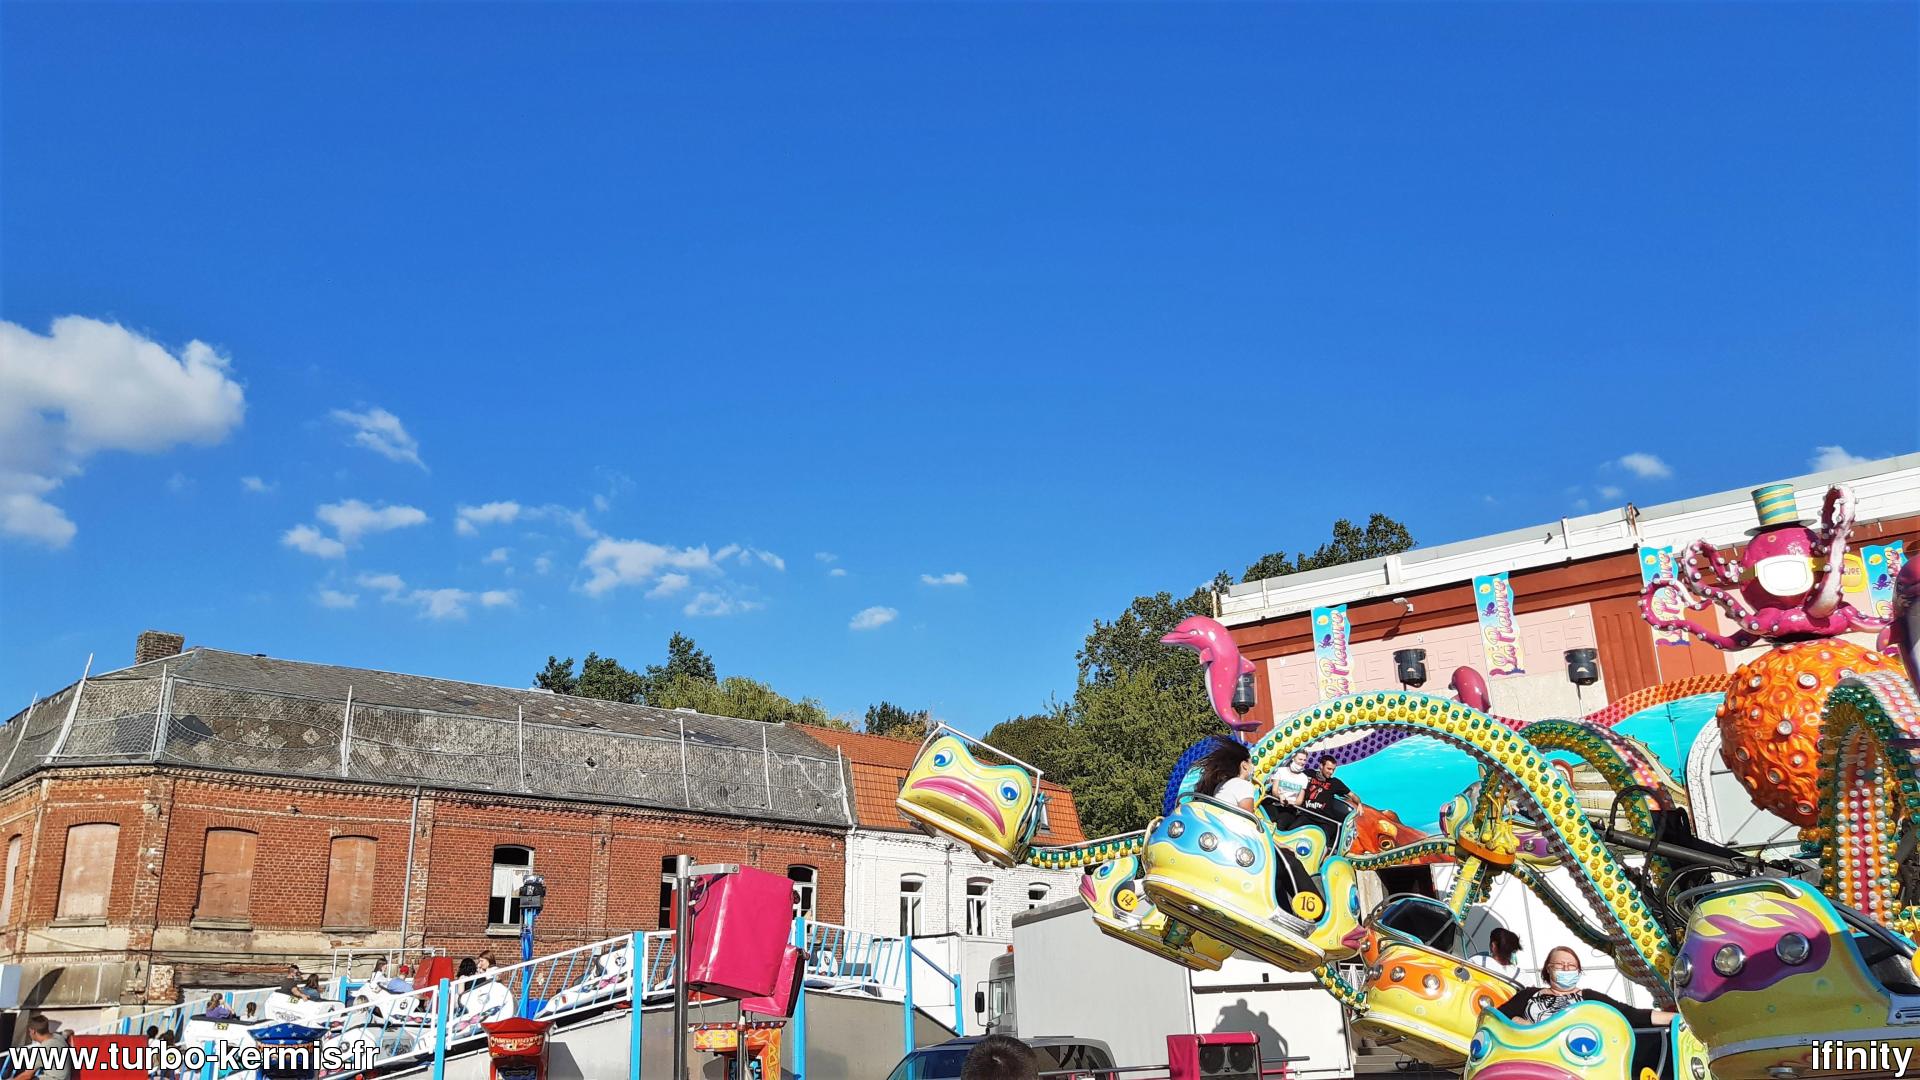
(601, 864)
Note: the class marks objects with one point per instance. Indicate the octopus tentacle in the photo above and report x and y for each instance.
(1836, 524)
(1739, 639)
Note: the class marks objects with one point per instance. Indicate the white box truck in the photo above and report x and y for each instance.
(1065, 977)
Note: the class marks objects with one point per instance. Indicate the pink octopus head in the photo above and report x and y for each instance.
(1778, 567)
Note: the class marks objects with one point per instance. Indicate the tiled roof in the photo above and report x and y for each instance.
(880, 764)
(260, 714)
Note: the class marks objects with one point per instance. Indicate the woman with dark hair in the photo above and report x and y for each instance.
(1224, 775)
(1502, 954)
(468, 966)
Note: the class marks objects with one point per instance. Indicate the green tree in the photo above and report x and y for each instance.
(1381, 536)
(895, 722)
(685, 660)
(1045, 740)
(604, 677)
(557, 676)
(1131, 731)
(745, 699)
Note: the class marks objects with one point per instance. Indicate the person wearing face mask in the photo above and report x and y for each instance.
(1560, 975)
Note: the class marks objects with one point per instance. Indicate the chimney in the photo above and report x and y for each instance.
(156, 645)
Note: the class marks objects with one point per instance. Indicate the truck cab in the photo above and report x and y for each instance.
(993, 1003)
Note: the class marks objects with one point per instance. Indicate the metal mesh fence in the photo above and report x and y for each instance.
(717, 767)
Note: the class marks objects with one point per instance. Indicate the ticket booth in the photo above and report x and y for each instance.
(294, 1051)
(517, 1048)
(751, 1048)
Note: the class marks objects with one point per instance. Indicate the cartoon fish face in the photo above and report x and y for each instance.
(1307, 843)
(989, 807)
(1112, 891)
(1589, 1041)
(1340, 932)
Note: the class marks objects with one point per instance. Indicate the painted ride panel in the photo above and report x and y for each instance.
(1121, 910)
(1590, 1041)
(1274, 896)
(1419, 998)
(1770, 965)
(993, 809)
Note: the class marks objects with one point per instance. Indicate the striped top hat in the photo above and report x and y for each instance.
(1776, 506)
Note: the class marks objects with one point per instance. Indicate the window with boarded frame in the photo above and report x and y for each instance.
(86, 871)
(350, 865)
(226, 877)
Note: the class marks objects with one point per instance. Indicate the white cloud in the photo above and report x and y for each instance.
(838, 571)
(498, 598)
(1834, 457)
(542, 564)
(712, 603)
(668, 585)
(770, 559)
(614, 563)
(381, 432)
(334, 598)
(1645, 466)
(1608, 491)
(601, 502)
(470, 518)
(497, 555)
(441, 603)
(257, 486)
(826, 556)
(386, 583)
(179, 483)
(954, 578)
(353, 519)
(87, 387)
(1581, 505)
(312, 541)
(872, 618)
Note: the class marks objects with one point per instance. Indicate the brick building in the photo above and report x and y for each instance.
(201, 819)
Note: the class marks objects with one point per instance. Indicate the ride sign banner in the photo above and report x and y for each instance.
(1657, 562)
(1493, 601)
(1332, 655)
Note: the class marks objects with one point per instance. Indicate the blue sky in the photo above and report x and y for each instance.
(1076, 301)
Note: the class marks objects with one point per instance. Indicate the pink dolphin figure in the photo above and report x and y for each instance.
(1222, 660)
(1470, 689)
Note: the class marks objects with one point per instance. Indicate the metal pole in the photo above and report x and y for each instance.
(799, 1005)
(66, 728)
(636, 1025)
(440, 1014)
(526, 958)
(211, 1066)
(681, 917)
(161, 712)
(907, 1027)
(520, 725)
(959, 1019)
(20, 733)
(766, 766)
(346, 733)
(406, 883)
(686, 786)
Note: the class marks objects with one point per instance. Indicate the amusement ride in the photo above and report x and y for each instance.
(1764, 960)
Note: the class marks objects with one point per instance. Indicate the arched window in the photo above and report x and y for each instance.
(910, 886)
(511, 865)
(350, 883)
(806, 880)
(226, 876)
(978, 890)
(1036, 895)
(86, 871)
(13, 868)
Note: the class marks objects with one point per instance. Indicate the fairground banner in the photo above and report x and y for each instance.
(1332, 659)
(1494, 599)
(1657, 562)
(1883, 565)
